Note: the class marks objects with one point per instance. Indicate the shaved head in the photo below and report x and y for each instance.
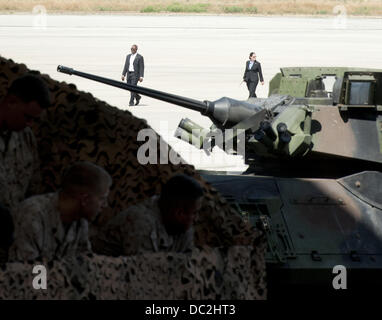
(30, 88)
(83, 177)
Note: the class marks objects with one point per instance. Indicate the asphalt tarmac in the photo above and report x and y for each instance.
(200, 57)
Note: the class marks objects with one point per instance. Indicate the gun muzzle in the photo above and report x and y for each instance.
(284, 136)
(64, 69)
(261, 136)
(266, 126)
(191, 127)
(188, 137)
(191, 132)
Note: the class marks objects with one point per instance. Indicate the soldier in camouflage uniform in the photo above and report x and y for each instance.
(19, 164)
(159, 224)
(55, 225)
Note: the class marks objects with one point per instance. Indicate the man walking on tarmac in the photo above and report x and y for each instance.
(134, 69)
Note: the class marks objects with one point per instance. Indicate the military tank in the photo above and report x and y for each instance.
(314, 177)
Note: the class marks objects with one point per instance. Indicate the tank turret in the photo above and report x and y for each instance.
(288, 136)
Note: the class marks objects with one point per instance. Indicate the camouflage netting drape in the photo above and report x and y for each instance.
(230, 273)
(80, 127)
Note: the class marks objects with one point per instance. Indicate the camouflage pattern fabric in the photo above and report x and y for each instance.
(140, 229)
(39, 231)
(81, 127)
(19, 166)
(207, 273)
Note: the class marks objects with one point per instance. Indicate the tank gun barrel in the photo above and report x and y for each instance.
(224, 112)
(163, 96)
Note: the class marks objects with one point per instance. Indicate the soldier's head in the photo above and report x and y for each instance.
(179, 203)
(134, 48)
(84, 191)
(26, 98)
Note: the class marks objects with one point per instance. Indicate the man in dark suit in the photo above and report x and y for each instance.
(134, 68)
(252, 73)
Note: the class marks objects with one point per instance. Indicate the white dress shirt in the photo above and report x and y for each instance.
(131, 64)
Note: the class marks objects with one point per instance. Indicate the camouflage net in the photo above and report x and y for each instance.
(80, 127)
(205, 274)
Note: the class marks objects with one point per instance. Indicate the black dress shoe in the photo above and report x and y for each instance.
(138, 99)
(131, 104)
